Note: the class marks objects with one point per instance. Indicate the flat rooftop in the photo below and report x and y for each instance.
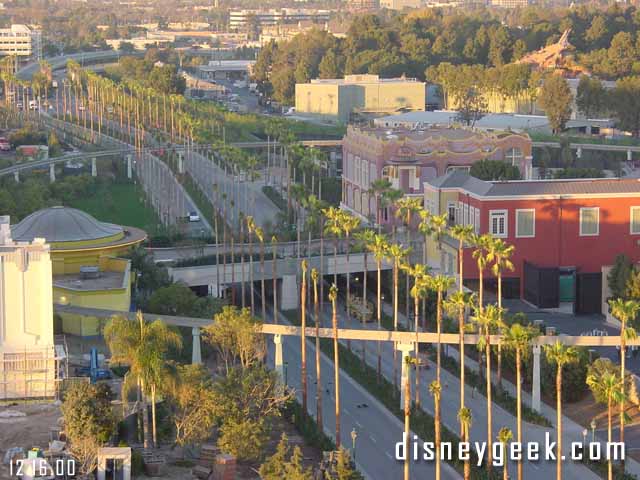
(363, 79)
(424, 134)
(104, 281)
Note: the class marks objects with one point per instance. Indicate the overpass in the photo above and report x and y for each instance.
(287, 269)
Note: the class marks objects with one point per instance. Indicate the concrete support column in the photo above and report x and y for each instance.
(52, 172)
(579, 152)
(629, 156)
(535, 386)
(214, 290)
(102, 468)
(16, 177)
(279, 365)
(180, 162)
(126, 469)
(196, 355)
(94, 167)
(405, 350)
(129, 167)
(289, 293)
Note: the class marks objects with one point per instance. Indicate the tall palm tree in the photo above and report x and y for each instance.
(143, 346)
(466, 419)
(333, 298)
(316, 314)
(379, 250)
(625, 311)
(303, 339)
(456, 304)
(462, 233)
(405, 208)
(420, 287)
(560, 355)
(499, 252)
(365, 238)
(435, 388)
(407, 418)
(251, 228)
(441, 284)
(518, 338)
(378, 189)
(504, 437)
(260, 236)
(333, 226)
(480, 244)
(348, 223)
(486, 320)
(396, 253)
(611, 388)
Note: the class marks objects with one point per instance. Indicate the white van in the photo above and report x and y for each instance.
(33, 105)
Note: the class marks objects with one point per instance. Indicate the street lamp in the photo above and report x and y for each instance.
(585, 432)
(593, 430)
(354, 435)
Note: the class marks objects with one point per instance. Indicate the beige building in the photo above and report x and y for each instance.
(28, 356)
(338, 99)
(400, 4)
(21, 41)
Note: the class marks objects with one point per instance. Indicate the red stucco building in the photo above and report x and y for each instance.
(564, 231)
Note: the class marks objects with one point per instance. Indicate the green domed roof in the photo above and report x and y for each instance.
(63, 224)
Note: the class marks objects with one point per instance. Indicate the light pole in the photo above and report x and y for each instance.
(354, 435)
(593, 430)
(585, 432)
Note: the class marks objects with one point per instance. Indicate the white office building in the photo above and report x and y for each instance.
(21, 41)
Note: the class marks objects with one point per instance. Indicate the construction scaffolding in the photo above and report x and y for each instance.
(33, 373)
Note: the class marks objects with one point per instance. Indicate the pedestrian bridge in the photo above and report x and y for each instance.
(287, 269)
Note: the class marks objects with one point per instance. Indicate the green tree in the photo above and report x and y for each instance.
(86, 410)
(275, 466)
(591, 97)
(619, 275)
(625, 102)
(555, 99)
(329, 67)
(178, 299)
(494, 170)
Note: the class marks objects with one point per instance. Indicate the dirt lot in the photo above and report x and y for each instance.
(27, 432)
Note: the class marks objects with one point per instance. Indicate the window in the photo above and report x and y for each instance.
(589, 221)
(477, 228)
(465, 220)
(635, 220)
(451, 209)
(526, 223)
(498, 223)
(514, 156)
(472, 217)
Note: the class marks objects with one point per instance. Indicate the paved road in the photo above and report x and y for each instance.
(378, 429)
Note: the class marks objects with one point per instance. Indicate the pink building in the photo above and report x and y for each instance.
(408, 158)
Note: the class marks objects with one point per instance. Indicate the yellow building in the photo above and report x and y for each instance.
(337, 99)
(87, 271)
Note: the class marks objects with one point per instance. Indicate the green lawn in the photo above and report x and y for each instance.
(120, 203)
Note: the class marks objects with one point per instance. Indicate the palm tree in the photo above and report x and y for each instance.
(251, 227)
(303, 340)
(365, 238)
(611, 388)
(379, 250)
(420, 287)
(463, 234)
(143, 346)
(407, 417)
(333, 297)
(466, 419)
(405, 208)
(480, 243)
(518, 338)
(435, 388)
(504, 437)
(348, 223)
(625, 311)
(500, 254)
(378, 190)
(441, 284)
(333, 226)
(561, 356)
(397, 254)
(316, 314)
(457, 303)
(486, 320)
(260, 236)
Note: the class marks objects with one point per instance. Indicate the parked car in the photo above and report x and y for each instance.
(5, 146)
(33, 105)
(194, 217)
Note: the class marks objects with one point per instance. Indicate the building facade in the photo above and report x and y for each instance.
(564, 232)
(28, 356)
(400, 4)
(338, 99)
(409, 158)
(21, 41)
(239, 19)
